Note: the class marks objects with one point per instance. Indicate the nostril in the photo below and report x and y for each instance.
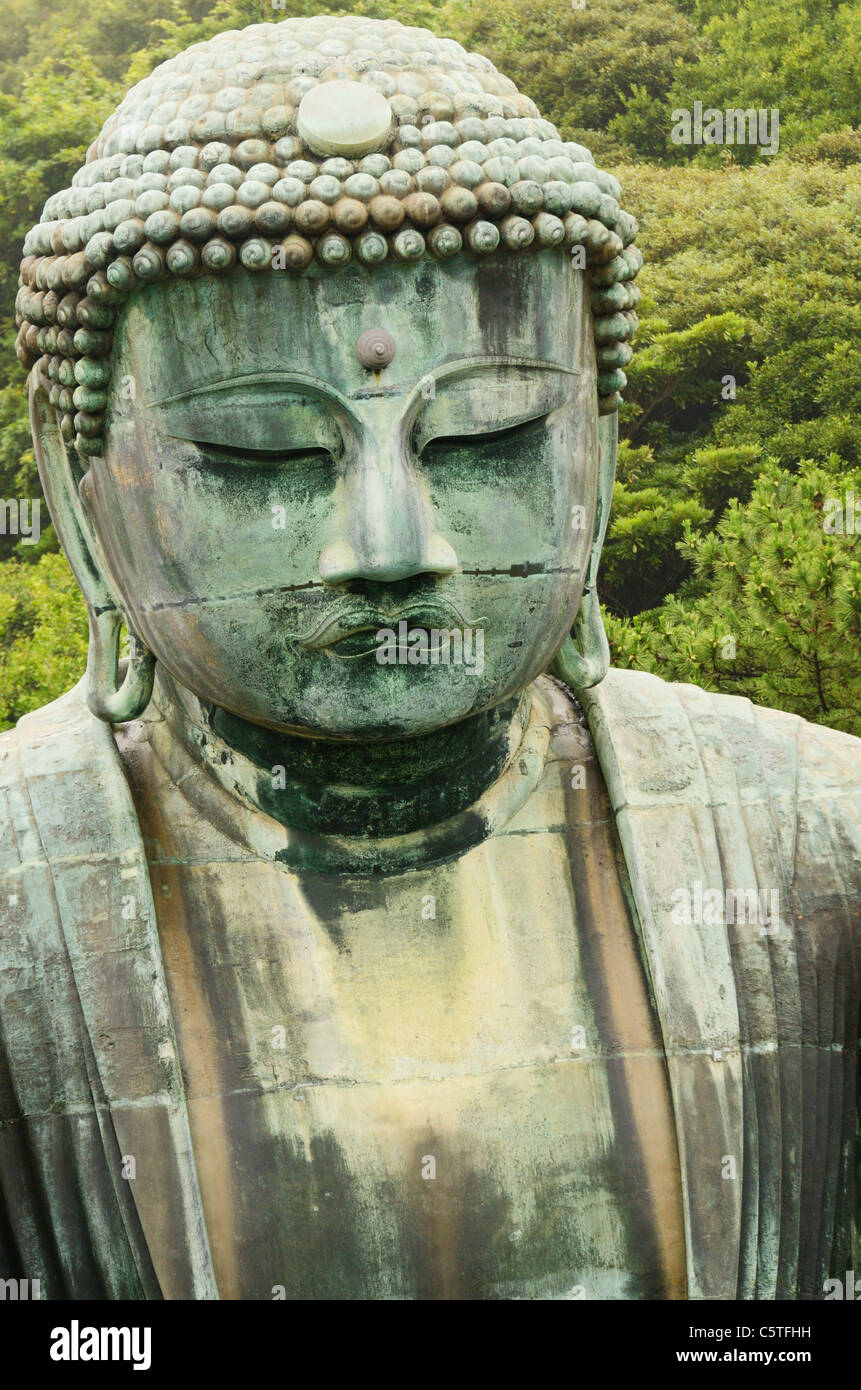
(439, 555)
(391, 570)
(338, 561)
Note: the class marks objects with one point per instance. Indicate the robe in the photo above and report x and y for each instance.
(711, 796)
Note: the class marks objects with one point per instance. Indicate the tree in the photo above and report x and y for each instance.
(43, 634)
(584, 65)
(802, 57)
(777, 612)
(713, 389)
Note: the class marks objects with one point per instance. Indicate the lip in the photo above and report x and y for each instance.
(358, 642)
(352, 623)
(355, 643)
(341, 625)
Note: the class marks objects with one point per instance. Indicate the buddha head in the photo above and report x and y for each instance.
(325, 343)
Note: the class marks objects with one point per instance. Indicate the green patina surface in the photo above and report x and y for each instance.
(283, 922)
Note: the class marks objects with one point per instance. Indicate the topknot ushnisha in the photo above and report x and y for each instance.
(204, 167)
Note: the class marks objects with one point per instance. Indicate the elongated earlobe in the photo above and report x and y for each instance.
(109, 699)
(583, 660)
(114, 692)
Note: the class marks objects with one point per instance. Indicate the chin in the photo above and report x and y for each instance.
(381, 710)
(384, 720)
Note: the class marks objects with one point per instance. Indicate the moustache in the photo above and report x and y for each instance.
(350, 619)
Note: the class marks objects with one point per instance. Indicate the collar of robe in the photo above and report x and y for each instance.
(338, 808)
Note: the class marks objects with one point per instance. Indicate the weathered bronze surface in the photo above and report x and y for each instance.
(341, 965)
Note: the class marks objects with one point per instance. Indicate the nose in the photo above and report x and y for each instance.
(386, 530)
(340, 563)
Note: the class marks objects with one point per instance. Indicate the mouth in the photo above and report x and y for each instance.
(352, 632)
(362, 641)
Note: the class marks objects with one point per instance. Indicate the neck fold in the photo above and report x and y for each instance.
(366, 807)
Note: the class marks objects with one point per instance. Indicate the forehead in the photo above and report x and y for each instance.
(181, 335)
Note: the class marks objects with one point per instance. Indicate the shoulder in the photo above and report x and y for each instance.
(750, 796)
(825, 759)
(42, 742)
(659, 741)
(61, 721)
(58, 768)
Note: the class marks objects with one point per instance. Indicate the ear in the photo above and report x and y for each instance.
(64, 485)
(583, 660)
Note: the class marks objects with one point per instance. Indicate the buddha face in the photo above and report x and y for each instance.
(267, 504)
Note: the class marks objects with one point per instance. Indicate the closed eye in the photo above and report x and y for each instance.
(259, 456)
(478, 441)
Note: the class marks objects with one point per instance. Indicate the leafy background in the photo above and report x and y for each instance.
(752, 271)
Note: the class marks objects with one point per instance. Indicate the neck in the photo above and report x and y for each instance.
(364, 790)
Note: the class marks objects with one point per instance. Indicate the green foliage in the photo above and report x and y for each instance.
(612, 73)
(840, 147)
(641, 561)
(716, 476)
(801, 56)
(749, 337)
(778, 616)
(43, 635)
(587, 67)
(676, 375)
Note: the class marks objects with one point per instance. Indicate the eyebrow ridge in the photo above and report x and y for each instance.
(445, 369)
(252, 379)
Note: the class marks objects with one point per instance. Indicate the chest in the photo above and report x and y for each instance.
(444, 1085)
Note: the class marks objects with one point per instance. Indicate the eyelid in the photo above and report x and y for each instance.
(459, 410)
(242, 454)
(479, 438)
(258, 388)
(293, 423)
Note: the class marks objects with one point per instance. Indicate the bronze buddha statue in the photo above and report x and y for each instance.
(335, 962)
